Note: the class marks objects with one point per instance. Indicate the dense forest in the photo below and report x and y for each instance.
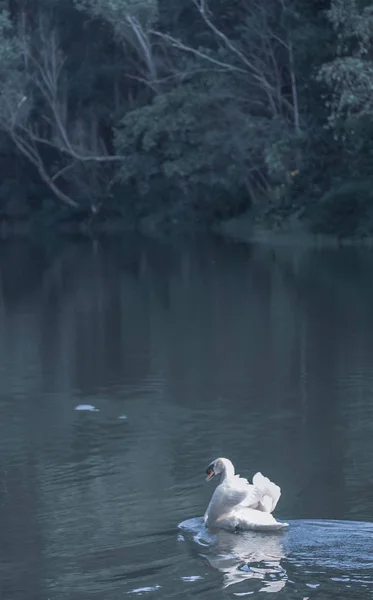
(187, 111)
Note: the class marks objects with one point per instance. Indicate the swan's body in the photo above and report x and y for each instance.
(237, 504)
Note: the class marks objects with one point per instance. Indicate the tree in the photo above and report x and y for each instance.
(34, 111)
(258, 55)
(132, 21)
(349, 76)
(201, 106)
(199, 141)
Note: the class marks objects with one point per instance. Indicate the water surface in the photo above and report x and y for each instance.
(175, 353)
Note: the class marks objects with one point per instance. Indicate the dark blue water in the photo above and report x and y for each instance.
(187, 351)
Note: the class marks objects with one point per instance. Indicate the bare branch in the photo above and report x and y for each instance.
(179, 44)
(143, 40)
(178, 75)
(75, 142)
(63, 171)
(48, 66)
(260, 66)
(201, 6)
(27, 149)
(260, 72)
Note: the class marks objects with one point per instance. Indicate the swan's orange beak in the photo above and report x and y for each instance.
(210, 473)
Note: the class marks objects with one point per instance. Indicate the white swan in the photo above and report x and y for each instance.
(237, 504)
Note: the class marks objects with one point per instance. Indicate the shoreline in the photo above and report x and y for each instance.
(292, 233)
(240, 229)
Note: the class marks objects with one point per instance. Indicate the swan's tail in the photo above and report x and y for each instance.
(271, 492)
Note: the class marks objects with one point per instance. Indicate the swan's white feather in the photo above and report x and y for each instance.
(238, 491)
(271, 492)
(244, 519)
(262, 494)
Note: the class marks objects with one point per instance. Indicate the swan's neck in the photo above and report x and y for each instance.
(228, 470)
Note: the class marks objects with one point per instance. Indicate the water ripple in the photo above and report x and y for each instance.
(330, 555)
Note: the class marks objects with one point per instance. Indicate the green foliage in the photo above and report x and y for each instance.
(191, 139)
(349, 76)
(117, 12)
(346, 210)
(11, 88)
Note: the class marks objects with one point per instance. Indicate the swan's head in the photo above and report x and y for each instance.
(218, 466)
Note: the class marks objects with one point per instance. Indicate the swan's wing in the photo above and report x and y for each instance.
(262, 494)
(270, 492)
(239, 492)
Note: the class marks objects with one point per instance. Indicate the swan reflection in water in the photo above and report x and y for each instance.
(334, 554)
(242, 557)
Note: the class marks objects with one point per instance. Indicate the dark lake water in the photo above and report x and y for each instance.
(187, 351)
